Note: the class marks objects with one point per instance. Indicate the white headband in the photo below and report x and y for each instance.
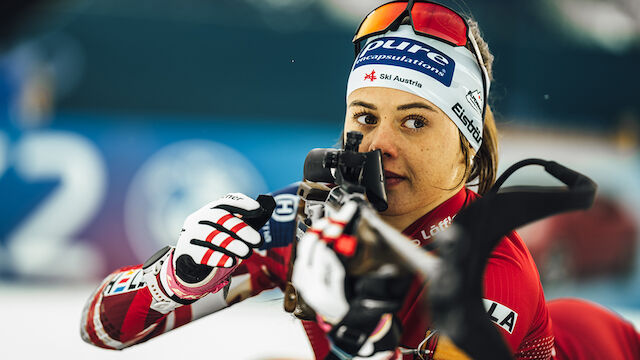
(448, 76)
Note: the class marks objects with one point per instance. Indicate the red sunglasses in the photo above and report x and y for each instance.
(428, 19)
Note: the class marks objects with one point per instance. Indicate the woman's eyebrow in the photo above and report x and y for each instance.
(414, 105)
(363, 104)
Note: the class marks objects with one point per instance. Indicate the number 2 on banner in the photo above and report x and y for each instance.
(42, 244)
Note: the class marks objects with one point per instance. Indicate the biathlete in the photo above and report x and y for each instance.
(418, 92)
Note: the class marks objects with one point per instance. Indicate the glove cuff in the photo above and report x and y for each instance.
(214, 282)
(164, 300)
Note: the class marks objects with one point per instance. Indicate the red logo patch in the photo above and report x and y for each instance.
(371, 76)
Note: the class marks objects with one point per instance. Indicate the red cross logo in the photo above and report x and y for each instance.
(371, 76)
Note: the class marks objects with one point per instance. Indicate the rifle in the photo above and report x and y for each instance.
(355, 175)
(455, 274)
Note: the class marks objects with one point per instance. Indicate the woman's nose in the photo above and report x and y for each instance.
(384, 137)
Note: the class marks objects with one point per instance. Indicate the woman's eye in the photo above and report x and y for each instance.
(366, 119)
(414, 123)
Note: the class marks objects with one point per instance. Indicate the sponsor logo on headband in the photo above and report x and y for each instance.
(371, 76)
(474, 97)
(397, 78)
(469, 124)
(410, 54)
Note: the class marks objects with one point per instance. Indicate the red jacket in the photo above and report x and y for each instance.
(513, 293)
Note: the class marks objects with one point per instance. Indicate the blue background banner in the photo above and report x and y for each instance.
(112, 195)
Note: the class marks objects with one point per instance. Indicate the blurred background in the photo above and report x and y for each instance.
(119, 118)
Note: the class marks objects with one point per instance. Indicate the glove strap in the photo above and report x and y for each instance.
(164, 300)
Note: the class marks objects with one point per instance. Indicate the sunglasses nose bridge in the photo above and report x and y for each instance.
(405, 13)
(395, 24)
(398, 20)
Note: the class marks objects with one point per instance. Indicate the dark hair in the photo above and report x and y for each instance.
(485, 162)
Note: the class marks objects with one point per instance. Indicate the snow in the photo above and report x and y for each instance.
(44, 321)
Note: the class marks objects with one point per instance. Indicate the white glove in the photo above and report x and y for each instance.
(349, 308)
(212, 242)
(318, 273)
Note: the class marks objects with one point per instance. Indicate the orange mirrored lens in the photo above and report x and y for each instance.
(380, 19)
(438, 21)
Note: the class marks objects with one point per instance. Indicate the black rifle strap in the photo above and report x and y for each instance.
(456, 296)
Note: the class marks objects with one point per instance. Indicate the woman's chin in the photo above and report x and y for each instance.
(396, 207)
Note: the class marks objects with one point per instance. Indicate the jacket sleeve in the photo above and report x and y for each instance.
(514, 300)
(120, 313)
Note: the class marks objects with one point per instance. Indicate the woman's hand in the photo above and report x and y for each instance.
(357, 312)
(213, 241)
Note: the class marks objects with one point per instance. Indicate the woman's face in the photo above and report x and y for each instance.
(422, 158)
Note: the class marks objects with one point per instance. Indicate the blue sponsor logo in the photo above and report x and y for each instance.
(409, 54)
(286, 207)
(279, 230)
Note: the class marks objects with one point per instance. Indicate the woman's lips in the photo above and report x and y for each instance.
(391, 178)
